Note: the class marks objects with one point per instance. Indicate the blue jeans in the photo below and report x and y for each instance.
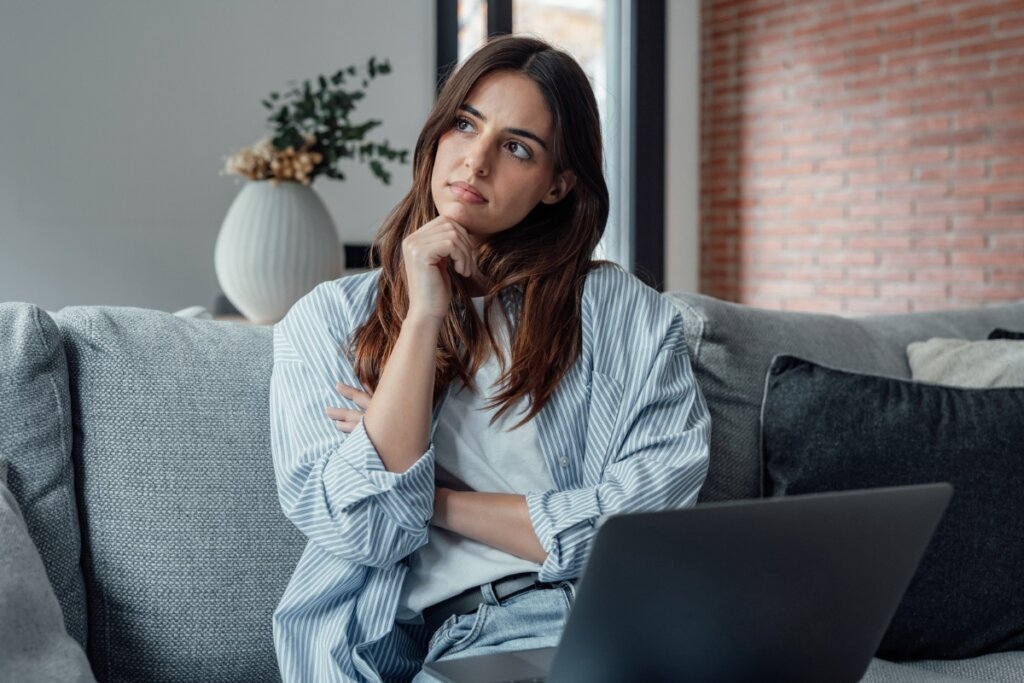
(524, 621)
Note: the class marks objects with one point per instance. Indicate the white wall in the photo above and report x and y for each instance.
(115, 116)
(682, 139)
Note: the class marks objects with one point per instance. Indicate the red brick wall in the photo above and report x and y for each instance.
(862, 157)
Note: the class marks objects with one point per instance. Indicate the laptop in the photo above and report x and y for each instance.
(796, 589)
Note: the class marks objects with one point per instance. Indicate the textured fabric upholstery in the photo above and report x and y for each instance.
(35, 447)
(979, 364)
(882, 671)
(186, 551)
(831, 430)
(34, 645)
(1003, 667)
(731, 347)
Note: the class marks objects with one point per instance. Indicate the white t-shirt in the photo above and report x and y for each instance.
(470, 453)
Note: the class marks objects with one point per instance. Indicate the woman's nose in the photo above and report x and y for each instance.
(478, 158)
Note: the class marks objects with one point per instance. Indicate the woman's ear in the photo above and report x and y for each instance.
(563, 183)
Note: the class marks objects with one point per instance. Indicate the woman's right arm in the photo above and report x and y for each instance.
(333, 486)
(366, 496)
(398, 417)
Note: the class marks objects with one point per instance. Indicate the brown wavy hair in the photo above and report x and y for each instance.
(546, 256)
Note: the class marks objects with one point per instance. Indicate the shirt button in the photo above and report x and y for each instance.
(563, 461)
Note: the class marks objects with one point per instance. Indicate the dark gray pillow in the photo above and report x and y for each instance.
(186, 550)
(1000, 333)
(731, 347)
(35, 446)
(831, 430)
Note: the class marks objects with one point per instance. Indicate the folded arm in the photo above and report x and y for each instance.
(335, 487)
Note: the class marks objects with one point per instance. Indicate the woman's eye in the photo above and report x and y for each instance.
(463, 125)
(519, 151)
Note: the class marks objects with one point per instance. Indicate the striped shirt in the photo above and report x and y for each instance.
(626, 430)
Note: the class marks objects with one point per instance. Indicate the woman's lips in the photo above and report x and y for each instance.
(463, 192)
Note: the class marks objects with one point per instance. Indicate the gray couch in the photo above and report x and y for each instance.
(136, 445)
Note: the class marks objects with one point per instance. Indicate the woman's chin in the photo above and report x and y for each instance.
(460, 213)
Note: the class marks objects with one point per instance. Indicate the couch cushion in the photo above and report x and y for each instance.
(731, 347)
(34, 645)
(831, 430)
(35, 447)
(186, 551)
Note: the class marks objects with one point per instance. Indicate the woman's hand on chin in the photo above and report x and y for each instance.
(426, 253)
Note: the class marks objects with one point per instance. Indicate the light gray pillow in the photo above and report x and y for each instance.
(35, 447)
(186, 552)
(973, 364)
(34, 646)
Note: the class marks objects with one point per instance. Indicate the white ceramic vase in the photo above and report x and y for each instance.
(275, 245)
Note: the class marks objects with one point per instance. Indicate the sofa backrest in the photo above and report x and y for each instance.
(731, 348)
(185, 550)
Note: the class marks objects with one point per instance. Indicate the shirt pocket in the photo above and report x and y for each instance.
(602, 418)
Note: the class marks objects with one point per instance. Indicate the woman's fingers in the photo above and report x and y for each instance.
(452, 247)
(425, 252)
(344, 419)
(468, 248)
(344, 414)
(469, 254)
(450, 238)
(358, 396)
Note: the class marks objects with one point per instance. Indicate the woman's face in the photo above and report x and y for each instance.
(496, 162)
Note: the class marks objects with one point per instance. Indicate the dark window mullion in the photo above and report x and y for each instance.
(447, 49)
(499, 17)
(648, 148)
(499, 21)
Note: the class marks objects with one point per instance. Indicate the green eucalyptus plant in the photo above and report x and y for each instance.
(313, 133)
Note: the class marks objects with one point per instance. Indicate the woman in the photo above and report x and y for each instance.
(500, 391)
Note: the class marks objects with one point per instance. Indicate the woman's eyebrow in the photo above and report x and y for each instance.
(515, 131)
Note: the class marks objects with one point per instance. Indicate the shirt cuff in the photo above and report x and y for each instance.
(553, 514)
(355, 474)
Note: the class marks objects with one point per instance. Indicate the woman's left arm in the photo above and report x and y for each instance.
(500, 520)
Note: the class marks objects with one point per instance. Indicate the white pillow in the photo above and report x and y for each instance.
(194, 312)
(972, 364)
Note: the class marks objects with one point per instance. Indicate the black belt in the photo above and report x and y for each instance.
(469, 600)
